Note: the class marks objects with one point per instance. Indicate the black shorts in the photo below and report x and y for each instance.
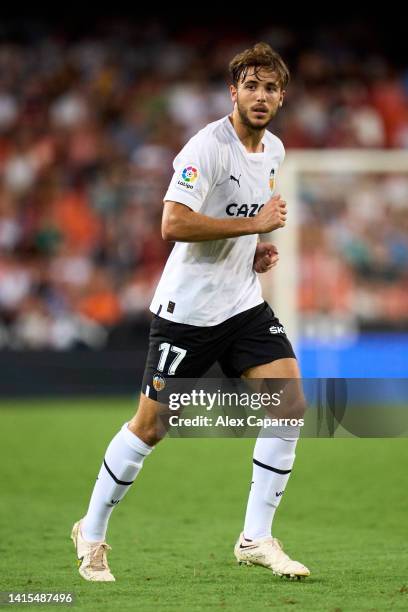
(177, 350)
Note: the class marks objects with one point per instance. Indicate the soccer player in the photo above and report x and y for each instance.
(208, 307)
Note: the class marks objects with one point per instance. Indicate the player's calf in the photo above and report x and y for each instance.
(122, 462)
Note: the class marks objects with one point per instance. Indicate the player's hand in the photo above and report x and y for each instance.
(266, 257)
(272, 215)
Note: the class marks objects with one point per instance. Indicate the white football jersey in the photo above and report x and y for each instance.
(205, 283)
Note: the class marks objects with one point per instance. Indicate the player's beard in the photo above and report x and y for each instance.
(243, 114)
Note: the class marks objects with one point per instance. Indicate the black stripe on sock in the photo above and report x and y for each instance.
(269, 467)
(121, 482)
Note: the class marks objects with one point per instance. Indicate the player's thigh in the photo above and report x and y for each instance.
(278, 368)
(151, 421)
(280, 376)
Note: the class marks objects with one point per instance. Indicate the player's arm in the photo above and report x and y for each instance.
(181, 224)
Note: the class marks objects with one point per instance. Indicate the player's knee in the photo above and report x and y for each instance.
(297, 407)
(292, 407)
(293, 403)
(149, 422)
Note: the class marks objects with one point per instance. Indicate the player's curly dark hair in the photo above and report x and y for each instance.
(259, 56)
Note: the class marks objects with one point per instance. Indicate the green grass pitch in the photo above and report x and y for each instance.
(344, 514)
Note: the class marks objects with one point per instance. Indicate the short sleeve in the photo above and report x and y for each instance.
(194, 174)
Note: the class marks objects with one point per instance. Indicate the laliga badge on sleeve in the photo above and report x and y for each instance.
(188, 177)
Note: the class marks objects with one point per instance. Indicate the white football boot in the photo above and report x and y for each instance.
(92, 561)
(268, 552)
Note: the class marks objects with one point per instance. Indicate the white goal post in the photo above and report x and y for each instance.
(280, 286)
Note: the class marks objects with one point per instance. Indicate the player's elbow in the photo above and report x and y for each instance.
(168, 231)
(171, 226)
(175, 222)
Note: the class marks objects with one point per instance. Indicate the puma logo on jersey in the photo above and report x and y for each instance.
(277, 329)
(232, 178)
(243, 210)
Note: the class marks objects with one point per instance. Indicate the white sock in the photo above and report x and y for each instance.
(273, 460)
(123, 461)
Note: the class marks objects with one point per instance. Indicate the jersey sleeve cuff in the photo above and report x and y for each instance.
(182, 198)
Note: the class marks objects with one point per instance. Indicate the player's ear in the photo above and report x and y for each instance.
(282, 95)
(233, 93)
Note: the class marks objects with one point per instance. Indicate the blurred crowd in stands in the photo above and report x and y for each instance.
(354, 248)
(89, 126)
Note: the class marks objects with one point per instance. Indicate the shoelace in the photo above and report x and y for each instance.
(275, 542)
(98, 557)
(278, 543)
(285, 559)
